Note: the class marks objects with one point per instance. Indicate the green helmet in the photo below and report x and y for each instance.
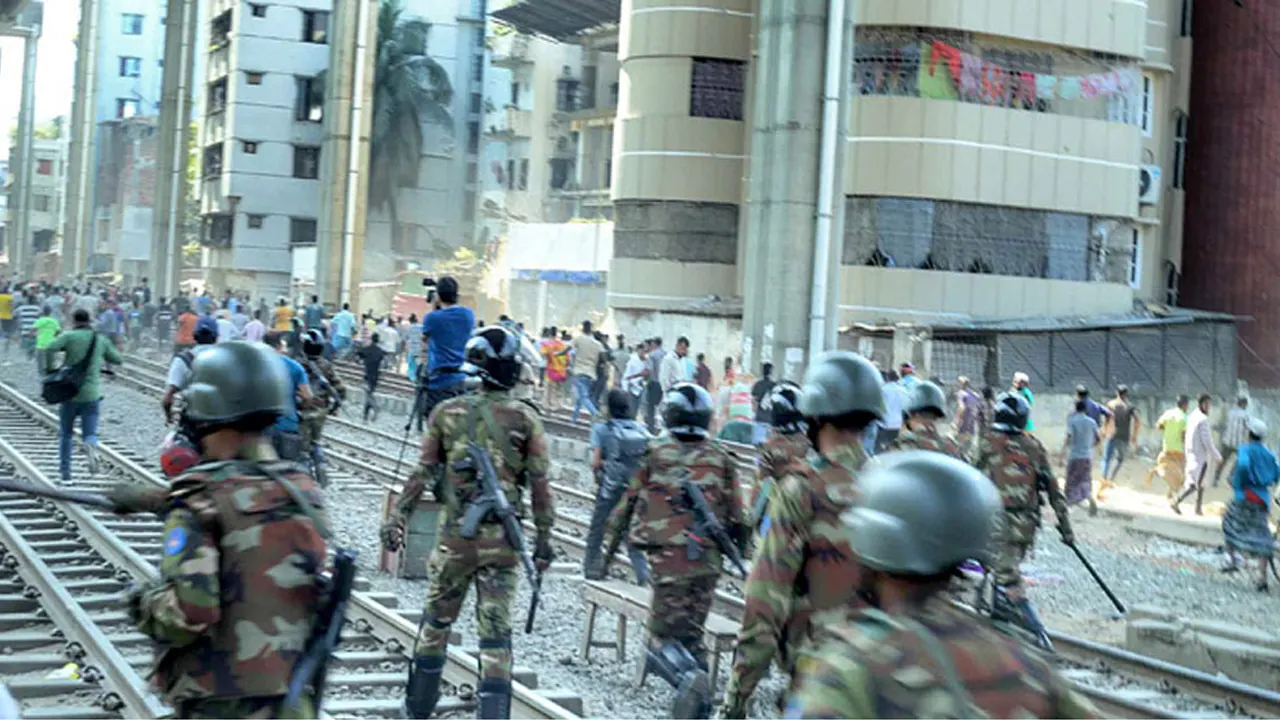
(927, 396)
(234, 380)
(839, 383)
(920, 513)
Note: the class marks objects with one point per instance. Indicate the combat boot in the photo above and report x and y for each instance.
(423, 691)
(676, 665)
(495, 699)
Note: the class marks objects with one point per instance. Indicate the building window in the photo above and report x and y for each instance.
(130, 24)
(255, 221)
(218, 230)
(468, 205)
(44, 167)
(250, 147)
(477, 68)
(1179, 179)
(472, 173)
(1135, 259)
(1148, 104)
(126, 108)
(130, 66)
(473, 137)
(258, 10)
(511, 174)
(561, 172)
(1184, 28)
(213, 160)
(524, 175)
(717, 89)
(253, 77)
(306, 162)
(220, 30)
(477, 103)
(315, 26)
(217, 99)
(40, 202)
(515, 94)
(309, 100)
(302, 231)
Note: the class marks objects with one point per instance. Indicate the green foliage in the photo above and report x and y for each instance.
(410, 90)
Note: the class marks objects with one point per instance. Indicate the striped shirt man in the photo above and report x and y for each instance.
(27, 313)
(1236, 432)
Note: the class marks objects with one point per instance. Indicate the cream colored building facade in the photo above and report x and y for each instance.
(1000, 159)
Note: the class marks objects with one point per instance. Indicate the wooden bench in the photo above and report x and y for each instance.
(632, 602)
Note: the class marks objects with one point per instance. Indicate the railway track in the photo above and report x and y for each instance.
(1121, 683)
(65, 572)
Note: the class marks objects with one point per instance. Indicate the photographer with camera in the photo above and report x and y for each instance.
(446, 330)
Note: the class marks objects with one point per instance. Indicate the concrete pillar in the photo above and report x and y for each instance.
(344, 157)
(171, 154)
(76, 233)
(678, 164)
(21, 252)
(782, 200)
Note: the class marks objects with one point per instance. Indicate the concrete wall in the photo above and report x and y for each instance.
(566, 305)
(718, 337)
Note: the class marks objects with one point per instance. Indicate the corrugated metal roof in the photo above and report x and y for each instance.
(1149, 316)
(559, 19)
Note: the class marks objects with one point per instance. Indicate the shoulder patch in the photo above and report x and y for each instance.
(175, 541)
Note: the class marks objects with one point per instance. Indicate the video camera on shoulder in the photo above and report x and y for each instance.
(430, 284)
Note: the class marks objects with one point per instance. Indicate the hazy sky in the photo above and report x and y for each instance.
(55, 66)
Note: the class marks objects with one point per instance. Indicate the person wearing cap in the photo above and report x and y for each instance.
(909, 652)
(1122, 436)
(1244, 526)
(1022, 386)
(804, 566)
(926, 406)
(908, 373)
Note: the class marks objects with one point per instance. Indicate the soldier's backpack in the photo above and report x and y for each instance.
(623, 449)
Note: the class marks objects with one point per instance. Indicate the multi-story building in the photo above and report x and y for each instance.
(130, 58)
(261, 129)
(261, 132)
(48, 185)
(995, 163)
(125, 188)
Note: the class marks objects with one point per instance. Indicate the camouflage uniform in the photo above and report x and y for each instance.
(312, 418)
(803, 567)
(487, 560)
(927, 437)
(237, 592)
(776, 455)
(683, 588)
(1015, 462)
(898, 666)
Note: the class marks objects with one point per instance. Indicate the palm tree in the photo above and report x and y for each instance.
(410, 90)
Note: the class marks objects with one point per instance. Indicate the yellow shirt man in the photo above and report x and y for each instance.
(283, 317)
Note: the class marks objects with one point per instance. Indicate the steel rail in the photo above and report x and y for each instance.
(132, 689)
(462, 668)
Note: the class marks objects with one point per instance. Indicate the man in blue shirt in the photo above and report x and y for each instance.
(313, 314)
(285, 434)
(343, 326)
(446, 330)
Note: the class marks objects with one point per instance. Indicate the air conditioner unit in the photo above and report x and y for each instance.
(1149, 185)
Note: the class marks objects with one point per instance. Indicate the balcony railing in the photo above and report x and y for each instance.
(510, 51)
(510, 122)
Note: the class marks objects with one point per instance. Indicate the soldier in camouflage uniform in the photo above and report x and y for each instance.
(511, 432)
(804, 565)
(926, 405)
(912, 654)
(244, 542)
(1019, 466)
(683, 566)
(328, 395)
(787, 443)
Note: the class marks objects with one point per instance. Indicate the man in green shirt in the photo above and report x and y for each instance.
(1172, 460)
(46, 329)
(76, 344)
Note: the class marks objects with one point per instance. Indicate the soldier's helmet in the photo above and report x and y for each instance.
(927, 397)
(784, 403)
(687, 410)
(236, 382)
(493, 354)
(841, 383)
(313, 343)
(921, 513)
(1012, 413)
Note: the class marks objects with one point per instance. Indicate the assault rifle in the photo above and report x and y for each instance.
(706, 524)
(72, 496)
(493, 501)
(312, 667)
(335, 401)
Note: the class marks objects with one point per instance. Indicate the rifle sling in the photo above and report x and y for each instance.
(481, 407)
